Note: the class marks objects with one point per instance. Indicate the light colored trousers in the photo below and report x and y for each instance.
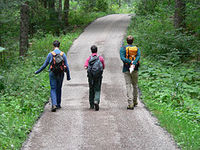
(131, 80)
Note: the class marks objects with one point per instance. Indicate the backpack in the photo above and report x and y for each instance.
(57, 65)
(131, 53)
(95, 67)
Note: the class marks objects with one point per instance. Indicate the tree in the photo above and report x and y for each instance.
(66, 12)
(179, 16)
(119, 3)
(24, 15)
(60, 10)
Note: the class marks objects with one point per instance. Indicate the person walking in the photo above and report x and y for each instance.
(130, 56)
(94, 65)
(58, 65)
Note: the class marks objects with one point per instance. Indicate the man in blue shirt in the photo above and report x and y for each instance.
(130, 56)
(56, 80)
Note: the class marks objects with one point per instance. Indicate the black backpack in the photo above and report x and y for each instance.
(57, 65)
(95, 67)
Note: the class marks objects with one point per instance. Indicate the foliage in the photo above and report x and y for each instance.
(161, 41)
(193, 19)
(78, 19)
(172, 93)
(102, 5)
(169, 73)
(144, 7)
(94, 5)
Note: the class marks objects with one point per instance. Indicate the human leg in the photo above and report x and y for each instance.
(91, 92)
(129, 89)
(59, 79)
(53, 90)
(97, 89)
(134, 77)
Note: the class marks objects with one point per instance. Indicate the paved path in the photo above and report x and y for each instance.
(75, 127)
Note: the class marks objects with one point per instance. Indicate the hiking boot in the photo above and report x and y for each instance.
(91, 106)
(135, 104)
(96, 107)
(131, 107)
(58, 107)
(53, 109)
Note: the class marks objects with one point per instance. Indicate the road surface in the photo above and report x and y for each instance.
(113, 127)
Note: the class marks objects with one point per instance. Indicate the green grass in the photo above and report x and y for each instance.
(174, 99)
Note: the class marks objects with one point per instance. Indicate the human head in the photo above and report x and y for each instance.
(94, 49)
(56, 43)
(129, 39)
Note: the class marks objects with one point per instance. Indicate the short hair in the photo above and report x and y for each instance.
(56, 43)
(93, 48)
(129, 39)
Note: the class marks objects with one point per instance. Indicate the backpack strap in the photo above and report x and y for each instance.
(61, 53)
(53, 53)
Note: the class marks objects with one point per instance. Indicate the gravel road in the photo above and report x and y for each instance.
(113, 127)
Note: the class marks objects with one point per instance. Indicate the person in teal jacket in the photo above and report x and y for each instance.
(130, 70)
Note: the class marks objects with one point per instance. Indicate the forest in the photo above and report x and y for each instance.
(167, 32)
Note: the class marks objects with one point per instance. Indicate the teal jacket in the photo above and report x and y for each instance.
(127, 61)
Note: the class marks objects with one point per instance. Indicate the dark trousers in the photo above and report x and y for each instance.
(94, 89)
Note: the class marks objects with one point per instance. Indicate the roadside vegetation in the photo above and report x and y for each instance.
(169, 76)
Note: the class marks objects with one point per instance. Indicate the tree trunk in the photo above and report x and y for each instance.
(24, 14)
(179, 16)
(66, 12)
(119, 3)
(45, 3)
(51, 4)
(60, 11)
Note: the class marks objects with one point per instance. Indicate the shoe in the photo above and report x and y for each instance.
(135, 104)
(53, 109)
(58, 107)
(91, 107)
(96, 107)
(131, 107)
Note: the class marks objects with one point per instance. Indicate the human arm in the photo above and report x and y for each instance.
(67, 67)
(102, 61)
(86, 63)
(45, 64)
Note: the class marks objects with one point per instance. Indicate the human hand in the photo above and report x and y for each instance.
(131, 69)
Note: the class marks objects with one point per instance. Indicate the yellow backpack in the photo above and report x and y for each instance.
(131, 52)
